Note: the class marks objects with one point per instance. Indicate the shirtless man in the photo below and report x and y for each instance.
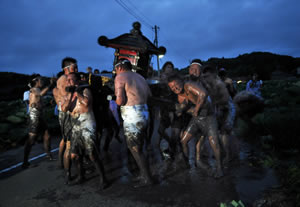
(83, 139)
(228, 82)
(132, 92)
(195, 77)
(62, 99)
(223, 104)
(37, 125)
(203, 119)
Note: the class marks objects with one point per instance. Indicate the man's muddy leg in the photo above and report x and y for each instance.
(94, 157)
(185, 138)
(67, 163)
(143, 166)
(27, 148)
(213, 141)
(61, 150)
(47, 144)
(199, 163)
(225, 146)
(150, 127)
(77, 159)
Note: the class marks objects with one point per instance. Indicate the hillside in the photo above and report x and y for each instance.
(263, 63)
(13, 85)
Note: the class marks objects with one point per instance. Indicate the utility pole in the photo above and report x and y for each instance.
(156, 44)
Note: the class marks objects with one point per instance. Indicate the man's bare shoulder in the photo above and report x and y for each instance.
(122, 77)
(62, 80)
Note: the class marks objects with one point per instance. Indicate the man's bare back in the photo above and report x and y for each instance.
(137, 89)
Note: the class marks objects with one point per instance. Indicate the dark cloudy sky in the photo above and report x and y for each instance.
(36, 34)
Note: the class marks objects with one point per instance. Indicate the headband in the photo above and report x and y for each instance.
(122, 62)
(195, 63)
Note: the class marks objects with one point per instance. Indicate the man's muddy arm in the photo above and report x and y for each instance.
(120, 97)
(201, 96)
(84, 97)
(66, 102)
(120, 91)
(49, 87)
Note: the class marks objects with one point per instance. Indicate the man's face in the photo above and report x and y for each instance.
(72, 80)
(71, 69)
(89, 70)
(169, 68)
(176, 86)
(194, 70)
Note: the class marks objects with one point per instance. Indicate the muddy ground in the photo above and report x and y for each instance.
(43, 183)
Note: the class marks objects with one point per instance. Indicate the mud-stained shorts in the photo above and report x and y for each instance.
(135, 123)
(225, 117)
(36, 122)
(64, 119)
(203, 125)
(83, 134)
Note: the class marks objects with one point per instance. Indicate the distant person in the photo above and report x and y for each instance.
(132, 93)
(228, 82)
(254, 85)
(96, 71)
(83, 78)
(37, 125)
(26, 100)
(89, 70)
(167, 70)
(165, 113)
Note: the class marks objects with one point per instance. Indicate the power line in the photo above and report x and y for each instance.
(132, 4)
(140, 18)
(134, 14)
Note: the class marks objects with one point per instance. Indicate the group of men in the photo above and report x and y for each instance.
(202, 109)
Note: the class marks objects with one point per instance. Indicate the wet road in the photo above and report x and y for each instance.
(43, 183)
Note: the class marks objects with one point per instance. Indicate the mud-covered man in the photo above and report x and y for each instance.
(62, 99)
(132, 92)
(223, 105)
(37, 125)
(203, 121)
(83, 139)
(195, 78)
